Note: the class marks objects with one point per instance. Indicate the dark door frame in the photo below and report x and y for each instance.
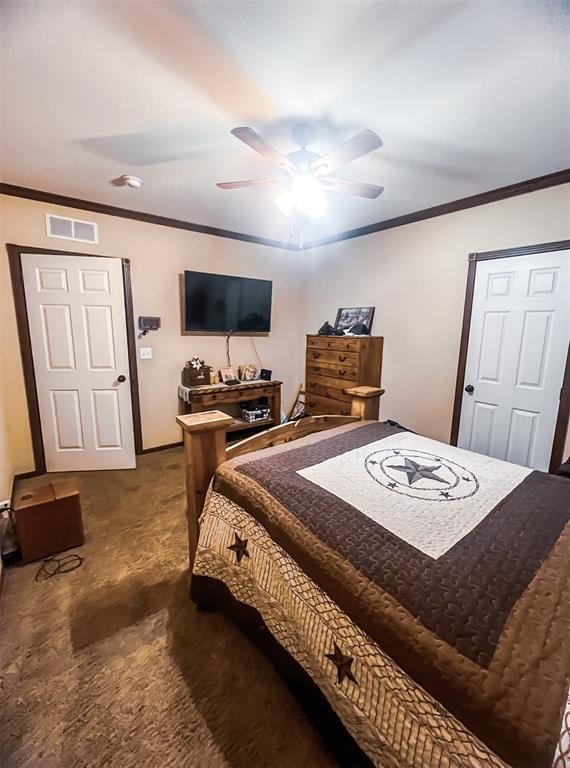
(560, 431)
(15, 262)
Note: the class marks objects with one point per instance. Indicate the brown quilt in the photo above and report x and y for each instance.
(484, 627)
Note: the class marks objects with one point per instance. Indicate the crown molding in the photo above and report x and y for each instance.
(483, 198)
(127, 213)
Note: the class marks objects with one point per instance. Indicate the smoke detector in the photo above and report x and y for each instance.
(134, 182)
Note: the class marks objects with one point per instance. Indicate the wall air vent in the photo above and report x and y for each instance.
(71, 229)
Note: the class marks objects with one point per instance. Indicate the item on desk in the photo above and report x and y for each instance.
(196, 373)
(248, 372)
(228, 376)
(265, 375)
(184, 393)
(255, 413)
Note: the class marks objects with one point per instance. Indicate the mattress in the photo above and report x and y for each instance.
(424, 588)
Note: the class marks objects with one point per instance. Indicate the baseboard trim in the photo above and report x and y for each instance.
(156, 448)
(25, 476)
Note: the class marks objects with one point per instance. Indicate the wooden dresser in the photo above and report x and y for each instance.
(335, 363)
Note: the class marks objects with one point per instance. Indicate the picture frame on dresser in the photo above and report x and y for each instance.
(347, 317)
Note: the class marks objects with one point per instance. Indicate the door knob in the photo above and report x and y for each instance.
(470, 389)
(121, 378)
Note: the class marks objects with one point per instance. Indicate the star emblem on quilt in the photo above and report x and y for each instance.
(415, 471)
(342, 663)
(421, 475)
(240, 548)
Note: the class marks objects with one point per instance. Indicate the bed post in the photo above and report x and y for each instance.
(365, 402)
(204, 451)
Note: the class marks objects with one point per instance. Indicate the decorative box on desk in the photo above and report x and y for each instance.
(228, 398)
(335, 363)
(195, 372)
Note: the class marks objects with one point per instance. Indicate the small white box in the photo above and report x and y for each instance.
(145, 353)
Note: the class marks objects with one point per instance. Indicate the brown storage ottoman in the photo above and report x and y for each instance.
(48, 519)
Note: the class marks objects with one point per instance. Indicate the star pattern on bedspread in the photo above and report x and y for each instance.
(240, 548)
(415, 471)
(342, 663)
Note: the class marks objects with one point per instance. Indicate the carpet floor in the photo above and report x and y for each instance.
(111, 665)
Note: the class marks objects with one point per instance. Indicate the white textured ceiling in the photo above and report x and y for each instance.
(467, 96)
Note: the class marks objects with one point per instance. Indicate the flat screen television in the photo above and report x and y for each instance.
(225, 304)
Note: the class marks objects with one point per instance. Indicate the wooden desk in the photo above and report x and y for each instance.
(220, 396)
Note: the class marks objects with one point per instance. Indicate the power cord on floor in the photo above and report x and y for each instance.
(52, 566)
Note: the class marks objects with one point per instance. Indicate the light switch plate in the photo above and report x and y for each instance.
(145, 353)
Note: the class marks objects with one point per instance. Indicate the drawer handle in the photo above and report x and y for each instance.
(342, 373)
(312, 405)
(312, 384)
(342, 358)
(316, 355)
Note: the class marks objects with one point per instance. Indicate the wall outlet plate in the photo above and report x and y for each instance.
(145, 353)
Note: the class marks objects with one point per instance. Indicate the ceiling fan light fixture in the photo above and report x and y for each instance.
(309, 173)
(306, 195)
(309, 196)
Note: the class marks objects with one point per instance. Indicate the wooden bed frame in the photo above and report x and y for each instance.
(205, 446)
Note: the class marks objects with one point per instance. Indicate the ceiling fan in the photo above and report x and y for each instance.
(305, 175)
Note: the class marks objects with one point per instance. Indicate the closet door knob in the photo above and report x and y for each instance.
(470, 389)
(121, 378)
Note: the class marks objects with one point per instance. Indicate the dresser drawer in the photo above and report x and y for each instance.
(327, 386)
(315, 388)
(336, 343)
(350, 359)
(346, 373)
(206, 399)
(323, 406)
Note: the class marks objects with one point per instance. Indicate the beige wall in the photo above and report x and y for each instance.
(158, 255)
(415, 276)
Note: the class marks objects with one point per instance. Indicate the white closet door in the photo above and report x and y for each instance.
(76, 313)
(518, 343)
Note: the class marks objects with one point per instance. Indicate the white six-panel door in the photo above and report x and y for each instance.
(518, 342)
(76, 314)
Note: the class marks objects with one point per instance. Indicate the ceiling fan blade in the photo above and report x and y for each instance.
(364, 142)
(249, 183)
(371, 191)
(254, 140)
